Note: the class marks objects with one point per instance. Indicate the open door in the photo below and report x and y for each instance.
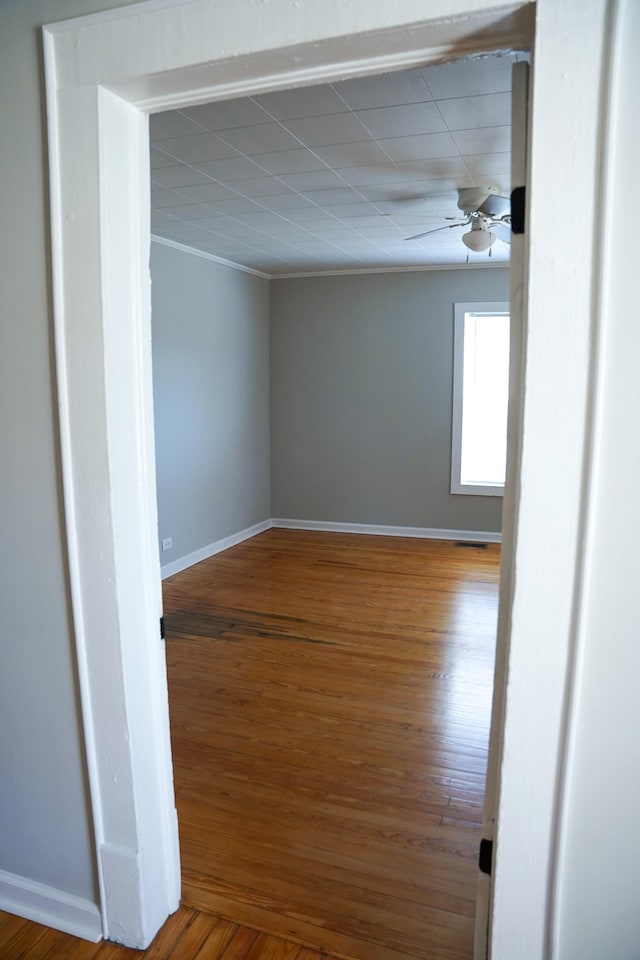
(519, 166)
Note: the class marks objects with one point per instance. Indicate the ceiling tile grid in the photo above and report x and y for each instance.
(336, 176)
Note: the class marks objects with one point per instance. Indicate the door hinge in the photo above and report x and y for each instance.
(162, 628)
(485, 858)
(518, 201)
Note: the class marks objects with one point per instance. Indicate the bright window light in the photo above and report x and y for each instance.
(480, 398)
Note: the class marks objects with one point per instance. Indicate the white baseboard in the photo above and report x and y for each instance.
(50, 906)
(380, 530)
(176, 566)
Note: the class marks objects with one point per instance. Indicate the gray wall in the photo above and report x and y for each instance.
(45, 831)
(361, 382)
(210, 328)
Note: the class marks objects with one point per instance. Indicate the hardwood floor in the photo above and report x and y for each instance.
(330, 701)
(187, 935)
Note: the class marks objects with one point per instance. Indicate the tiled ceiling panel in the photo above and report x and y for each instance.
(336, 177)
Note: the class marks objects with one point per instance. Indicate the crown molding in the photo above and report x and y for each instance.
(420, 269)
(184, 248)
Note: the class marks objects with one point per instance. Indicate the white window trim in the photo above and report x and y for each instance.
(459, 312)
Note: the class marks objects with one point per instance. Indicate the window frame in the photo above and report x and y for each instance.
(460, 310)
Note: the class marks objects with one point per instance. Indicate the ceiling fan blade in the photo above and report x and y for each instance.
(502, 231)
(495, 206)
(447, 226)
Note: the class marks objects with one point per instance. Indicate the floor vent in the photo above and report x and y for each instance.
(470, 543)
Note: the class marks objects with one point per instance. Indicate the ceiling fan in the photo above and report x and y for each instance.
(486, 212)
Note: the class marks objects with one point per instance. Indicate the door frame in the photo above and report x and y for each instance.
(104, 74)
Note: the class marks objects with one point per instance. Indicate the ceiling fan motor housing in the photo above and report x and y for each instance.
(470, 198)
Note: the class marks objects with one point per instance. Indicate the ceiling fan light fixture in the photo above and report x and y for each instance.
(478, 239)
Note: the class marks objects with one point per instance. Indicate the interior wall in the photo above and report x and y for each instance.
(46, 833)
(210, 328)
(361, 398)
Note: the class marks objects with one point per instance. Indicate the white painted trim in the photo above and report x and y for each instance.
(64, 393)
(182, 563)
(185, 248)
(420, 269)
(50, 907)
(382, 530)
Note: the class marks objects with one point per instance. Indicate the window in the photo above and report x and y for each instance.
(480, 398)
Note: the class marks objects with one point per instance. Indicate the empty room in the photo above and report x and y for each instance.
(330, 621)
(330, 318)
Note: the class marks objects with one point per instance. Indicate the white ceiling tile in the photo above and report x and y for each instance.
(228, 114)
(289, 161)
(239, 234)
(283, 230)
(390, 232)
(415, 206)
(483, 140)
(349, 154)
(285, 201)
(179, 175)
(171, 123)
(388, 191)
(433, 169)
(212, 222)
(204, 192)
(309, 213)
(231, 207)
(375, 173)
(421, 221)
(238, 168)
(322, 221)
(486, 163)
(159, 159)
(387, 90)
(182, 231)
(191, 211)
(318, 247)
(161, 198)
(464, 78)
(325, 131)
(485, 110)
(264, 138)
(160, 218)
(338, 195)
(333, 233)
(426, 147)
(345, 210)
(316, 180)
(415, 174)
(258, 217)
(235, 207)
(303, 102)
(404, 121)
(197, 149)
(262, 187)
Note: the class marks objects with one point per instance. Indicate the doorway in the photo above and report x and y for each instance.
(117, 536)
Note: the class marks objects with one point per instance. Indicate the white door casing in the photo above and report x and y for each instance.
(517, 364)
(103, 73)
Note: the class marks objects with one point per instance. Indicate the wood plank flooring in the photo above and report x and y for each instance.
(330, 701)
(187, 935)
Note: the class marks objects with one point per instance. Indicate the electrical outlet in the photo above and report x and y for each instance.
(167, 543)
